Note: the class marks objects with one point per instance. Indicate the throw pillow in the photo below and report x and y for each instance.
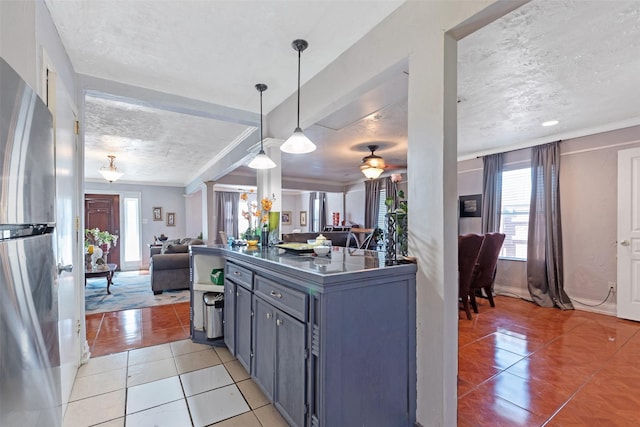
(168, 243)
(177, 249)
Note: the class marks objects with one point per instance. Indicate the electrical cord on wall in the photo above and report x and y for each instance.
(572, 299)
(593, 305)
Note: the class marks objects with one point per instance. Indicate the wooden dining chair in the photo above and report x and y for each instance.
(468, 250)
(484, 272)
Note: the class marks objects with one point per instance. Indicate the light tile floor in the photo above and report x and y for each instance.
(174, 384)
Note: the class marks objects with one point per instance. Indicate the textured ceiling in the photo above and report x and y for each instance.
(577, 62)
(152, 145)
(573, 61)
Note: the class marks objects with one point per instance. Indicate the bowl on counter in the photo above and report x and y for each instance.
(321, 250)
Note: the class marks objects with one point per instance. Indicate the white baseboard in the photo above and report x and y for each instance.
(609, 308)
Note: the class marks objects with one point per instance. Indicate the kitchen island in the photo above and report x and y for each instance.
(330, 340)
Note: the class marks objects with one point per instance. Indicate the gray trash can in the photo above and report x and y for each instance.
(213, 307)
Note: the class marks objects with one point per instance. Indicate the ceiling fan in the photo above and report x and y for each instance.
(373, 165)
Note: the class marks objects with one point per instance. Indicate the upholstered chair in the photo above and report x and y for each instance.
(485, 271)
(468, 250)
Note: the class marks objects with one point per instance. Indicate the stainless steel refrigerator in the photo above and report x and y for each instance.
(29, 353)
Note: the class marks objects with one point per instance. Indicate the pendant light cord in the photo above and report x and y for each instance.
(299, 54)
(261, 146)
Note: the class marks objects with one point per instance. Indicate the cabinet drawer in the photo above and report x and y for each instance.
(239, 275)
(289, 300)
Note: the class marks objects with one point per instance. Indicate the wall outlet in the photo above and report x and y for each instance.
(613, 286)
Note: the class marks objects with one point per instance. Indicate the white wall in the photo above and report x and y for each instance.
(18, 38)
(588, 192)
(296, 203)
(354, 205)
(170, 199)
(193, 214)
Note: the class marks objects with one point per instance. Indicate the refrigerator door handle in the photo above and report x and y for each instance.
(68, 268)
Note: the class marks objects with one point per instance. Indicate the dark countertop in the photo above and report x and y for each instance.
(340, 265)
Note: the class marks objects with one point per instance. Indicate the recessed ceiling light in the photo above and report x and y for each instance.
(550, 123)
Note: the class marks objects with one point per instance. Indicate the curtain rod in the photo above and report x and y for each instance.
(518, 149)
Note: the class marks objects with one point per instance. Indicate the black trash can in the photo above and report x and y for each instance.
(213, 312)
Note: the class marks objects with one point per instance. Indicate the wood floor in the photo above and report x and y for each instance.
(519, 364)
(118, 331)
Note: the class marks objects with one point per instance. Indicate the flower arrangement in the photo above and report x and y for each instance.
(258, 217)
(93, 236)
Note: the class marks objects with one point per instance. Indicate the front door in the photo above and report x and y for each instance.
(103, 211)
(629, 234)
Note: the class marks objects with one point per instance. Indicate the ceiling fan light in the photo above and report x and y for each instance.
(298, 143)
(372, 173)
(262, 161)
(110, 173)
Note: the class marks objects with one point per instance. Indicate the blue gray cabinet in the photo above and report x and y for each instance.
(264, 345)
(238, 312)
(243, 326)
(332, 339)
(279, 359)
(289, 368)
(230, 315)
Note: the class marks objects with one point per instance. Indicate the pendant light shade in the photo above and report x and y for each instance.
(298, 143)
(261, 160)
(110, 173)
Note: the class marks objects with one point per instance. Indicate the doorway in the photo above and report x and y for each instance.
(103, 211)
(628, 247)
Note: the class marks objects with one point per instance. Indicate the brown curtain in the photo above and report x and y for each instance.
(544, 247)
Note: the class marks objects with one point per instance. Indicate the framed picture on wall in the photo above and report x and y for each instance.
(286, 217)
(157, 213)
(171, 219)
(303, 218)
(471, 206)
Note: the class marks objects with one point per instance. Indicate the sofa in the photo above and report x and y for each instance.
(169, 265)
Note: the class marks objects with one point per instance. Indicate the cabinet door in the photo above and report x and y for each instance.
(230, 315)
(290, 368)
(264, 344)
(243, 327)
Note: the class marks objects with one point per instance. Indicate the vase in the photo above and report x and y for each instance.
(274, 228)
(264, 236)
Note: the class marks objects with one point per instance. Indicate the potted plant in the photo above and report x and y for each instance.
(96, 237)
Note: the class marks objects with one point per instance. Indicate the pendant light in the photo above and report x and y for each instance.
(261, 160)
(298, 143)
(110, 173)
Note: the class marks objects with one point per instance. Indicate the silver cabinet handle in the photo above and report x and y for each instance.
(237, 294)
(237, 273)
(625, 243)
(276, 294)
(269, 315)
(68, 268)
(279, 322)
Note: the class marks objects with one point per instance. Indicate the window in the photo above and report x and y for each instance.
(514, 218)
(131, 243)
(243, 206)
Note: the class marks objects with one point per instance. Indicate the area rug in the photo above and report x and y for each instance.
(130, 289)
